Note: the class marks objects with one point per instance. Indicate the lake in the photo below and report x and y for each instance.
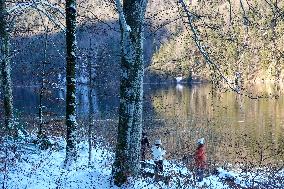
(238, 130)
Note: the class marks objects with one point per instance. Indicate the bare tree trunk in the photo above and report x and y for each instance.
(6, 70)
(42, 88)
(71, 147)
(127, 160)
(136, 129)
(230, 13)
(91, 108)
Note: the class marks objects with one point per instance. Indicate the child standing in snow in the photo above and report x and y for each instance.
(200, 159)
(158, 154)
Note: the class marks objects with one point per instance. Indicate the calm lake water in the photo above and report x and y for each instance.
(238, 130)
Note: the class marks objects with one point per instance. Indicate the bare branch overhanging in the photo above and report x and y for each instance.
(50, 17)
(206, 56)
(157, 28)
(40, 5)
(26, 5)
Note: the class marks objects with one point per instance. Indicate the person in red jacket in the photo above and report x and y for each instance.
(200, 159)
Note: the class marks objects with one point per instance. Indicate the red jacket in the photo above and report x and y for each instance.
(200, 157)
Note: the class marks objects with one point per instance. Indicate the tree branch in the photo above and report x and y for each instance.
(143, 6)
(156, 29)
(124, 25)
(205, 55)
(26, 5)
(38, 5)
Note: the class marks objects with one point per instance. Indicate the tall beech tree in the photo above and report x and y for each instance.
(71, 149)
(127, 160)
(5, 58)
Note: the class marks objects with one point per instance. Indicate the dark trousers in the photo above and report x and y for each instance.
(143, 153)
(159, 166)
(199, 174)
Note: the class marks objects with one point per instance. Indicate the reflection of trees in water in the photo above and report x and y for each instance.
(234, 126)
(172, 103)
(26, 101)
(108, 101)
(86, 100)
(231, 124)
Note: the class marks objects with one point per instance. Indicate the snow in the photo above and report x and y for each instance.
(72, 118)
(73, 95)
(128, 28)
(44, 169)
(73, 7)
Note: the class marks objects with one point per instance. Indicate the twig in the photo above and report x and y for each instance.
(207, 57)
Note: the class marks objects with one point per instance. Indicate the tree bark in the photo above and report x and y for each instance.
(71, 147)
(6, 70)
(127, 160)
(91, 107)
(230, 13)
(42, 88)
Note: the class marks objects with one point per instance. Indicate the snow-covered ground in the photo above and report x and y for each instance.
(42, 169)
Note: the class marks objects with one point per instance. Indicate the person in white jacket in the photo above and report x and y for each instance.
(158, 154)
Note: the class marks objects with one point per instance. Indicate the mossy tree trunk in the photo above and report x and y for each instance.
(6, 70)
(127, 160)
(71, 147)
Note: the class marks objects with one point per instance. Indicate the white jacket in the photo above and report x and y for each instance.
(158, 153)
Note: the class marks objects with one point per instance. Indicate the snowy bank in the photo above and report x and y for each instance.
(43, 169)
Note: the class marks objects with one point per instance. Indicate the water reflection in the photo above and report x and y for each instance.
(237, 129)
(84, 102)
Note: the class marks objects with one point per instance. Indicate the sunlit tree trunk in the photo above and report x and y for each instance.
(6, 70)
(127, 160)
(71, 149)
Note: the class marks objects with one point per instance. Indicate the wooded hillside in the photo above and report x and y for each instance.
(243, 37)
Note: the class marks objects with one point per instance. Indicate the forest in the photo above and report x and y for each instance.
(141, 94)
